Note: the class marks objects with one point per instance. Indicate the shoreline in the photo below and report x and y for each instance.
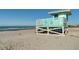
(15, 30)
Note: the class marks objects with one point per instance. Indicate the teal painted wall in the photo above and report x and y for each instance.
(50, 22)
(59, 21)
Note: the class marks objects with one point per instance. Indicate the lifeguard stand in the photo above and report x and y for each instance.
(58, 20)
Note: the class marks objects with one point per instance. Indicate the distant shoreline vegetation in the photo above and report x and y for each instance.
(14, 28)
(73, 26)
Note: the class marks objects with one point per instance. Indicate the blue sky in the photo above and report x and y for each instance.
(12, 17)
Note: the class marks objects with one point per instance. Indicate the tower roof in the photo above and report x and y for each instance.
(67, 11)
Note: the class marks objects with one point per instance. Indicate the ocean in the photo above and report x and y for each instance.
(15, 28)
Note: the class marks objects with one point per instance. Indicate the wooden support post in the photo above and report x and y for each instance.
(47, 30)
(36, 30)
(63, 30)
(66, 31)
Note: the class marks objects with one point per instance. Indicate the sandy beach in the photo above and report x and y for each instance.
(28, 40)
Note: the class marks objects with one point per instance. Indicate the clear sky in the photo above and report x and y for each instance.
(12, 17)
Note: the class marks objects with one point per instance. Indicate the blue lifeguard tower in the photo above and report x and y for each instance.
(58, 20)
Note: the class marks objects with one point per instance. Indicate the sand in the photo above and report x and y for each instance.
(28, 40)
